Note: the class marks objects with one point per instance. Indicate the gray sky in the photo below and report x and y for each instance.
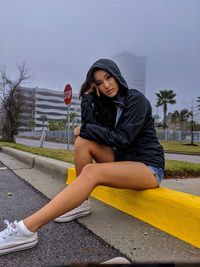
(59, 40)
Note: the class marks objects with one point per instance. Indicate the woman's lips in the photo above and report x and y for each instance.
(110, 91)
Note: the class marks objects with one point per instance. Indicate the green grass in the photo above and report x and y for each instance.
(181, 169)
(181, 147)
(60, 154)
(174, 168)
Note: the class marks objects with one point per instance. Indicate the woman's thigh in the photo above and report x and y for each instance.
(123, 174)
(99, 153)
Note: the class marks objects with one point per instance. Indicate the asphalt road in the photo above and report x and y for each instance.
(47, 144)
(59, 244)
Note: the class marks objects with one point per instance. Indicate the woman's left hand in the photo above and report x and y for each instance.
(92, 89)
(77, 131)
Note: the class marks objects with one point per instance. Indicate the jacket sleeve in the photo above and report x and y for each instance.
(87, 110)
(131, 122)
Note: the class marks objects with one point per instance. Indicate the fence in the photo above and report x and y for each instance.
(172, 135)
(58, 134)
(163, 135)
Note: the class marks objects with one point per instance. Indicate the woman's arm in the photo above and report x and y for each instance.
(131, 123)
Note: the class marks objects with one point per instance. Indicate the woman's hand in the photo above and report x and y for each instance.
(93, 89)
(77, 131)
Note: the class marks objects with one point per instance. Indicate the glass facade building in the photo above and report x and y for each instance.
(133, 69)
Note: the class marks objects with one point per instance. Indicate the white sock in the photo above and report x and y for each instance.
(24, 228)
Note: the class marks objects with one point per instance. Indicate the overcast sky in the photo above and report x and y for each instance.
(59, 40)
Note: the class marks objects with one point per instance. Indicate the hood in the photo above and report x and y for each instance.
(111, 67)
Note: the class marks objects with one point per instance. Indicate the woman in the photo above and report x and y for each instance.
(117, 132)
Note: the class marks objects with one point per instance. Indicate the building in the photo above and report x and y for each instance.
(28, 116)
(43, 105)
(133, 69)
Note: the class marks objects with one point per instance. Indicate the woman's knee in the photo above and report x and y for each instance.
(80, 143)
(91, 173)
(85, 144)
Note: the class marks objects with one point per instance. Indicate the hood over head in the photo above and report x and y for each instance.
(111, 67)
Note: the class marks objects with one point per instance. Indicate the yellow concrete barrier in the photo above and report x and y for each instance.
(171, 211)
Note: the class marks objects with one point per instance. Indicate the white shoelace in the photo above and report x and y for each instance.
(9, 230)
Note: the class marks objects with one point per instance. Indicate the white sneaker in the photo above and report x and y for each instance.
(16, 237)
(82, 210)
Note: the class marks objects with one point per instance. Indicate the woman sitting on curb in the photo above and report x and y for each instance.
(117, 132)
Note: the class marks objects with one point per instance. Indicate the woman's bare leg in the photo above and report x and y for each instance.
(127, 174)
(85, 151)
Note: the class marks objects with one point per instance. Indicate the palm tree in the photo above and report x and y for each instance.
(184, 116)
(72, 116)
(181, 117)
(31, 124)
(165, 97)
(175, 117)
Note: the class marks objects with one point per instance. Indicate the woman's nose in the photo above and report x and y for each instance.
(106, 84)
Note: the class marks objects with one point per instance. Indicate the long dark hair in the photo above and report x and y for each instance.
(104, 108)
(88, 82)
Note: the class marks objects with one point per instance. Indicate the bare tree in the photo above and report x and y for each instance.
(12, 102)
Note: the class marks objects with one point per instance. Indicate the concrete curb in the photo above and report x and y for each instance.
(50, 166)
(25, 157)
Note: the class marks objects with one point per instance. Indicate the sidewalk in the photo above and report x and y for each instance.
(188, 185)
(134, 238)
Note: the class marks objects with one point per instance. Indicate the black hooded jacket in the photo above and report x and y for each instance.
(134, 135)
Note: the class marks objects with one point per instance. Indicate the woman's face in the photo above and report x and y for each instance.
(106, 83)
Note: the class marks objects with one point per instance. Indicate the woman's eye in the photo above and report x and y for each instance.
(98, 83)
(109, 76)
